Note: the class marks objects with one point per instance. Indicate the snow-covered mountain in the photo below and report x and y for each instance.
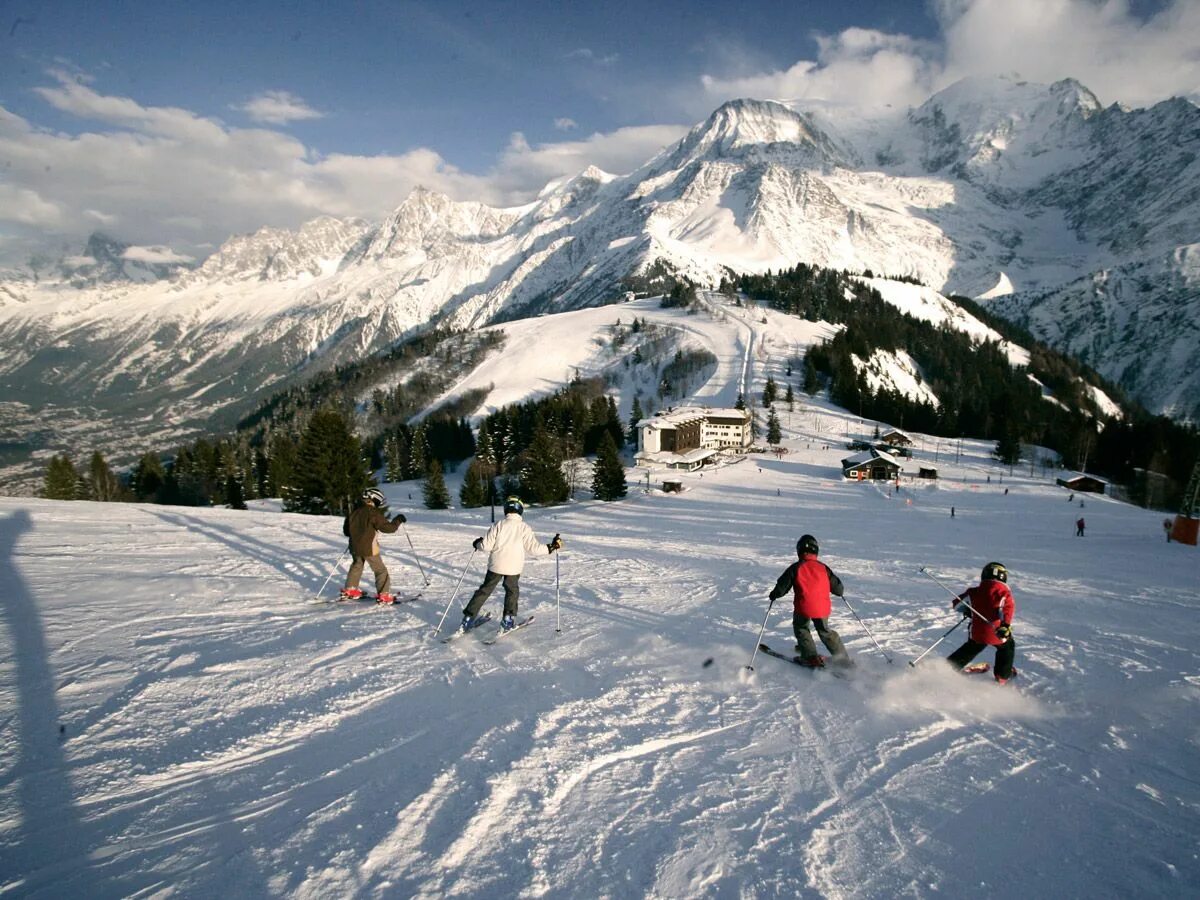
(992, 187)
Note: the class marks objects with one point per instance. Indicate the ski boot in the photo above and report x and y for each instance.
(468, 622)
(350, 594)
(385, 598)
(508, 623)
(813, 662)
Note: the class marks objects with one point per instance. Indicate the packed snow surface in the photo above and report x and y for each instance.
(178, 719)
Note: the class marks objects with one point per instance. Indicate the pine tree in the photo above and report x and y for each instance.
(418, 453)
(1008, 448)
(102, 483)
(811, 381)
(608, 477)
(542, 479)
(774, 433)
(434, 488)
(330, 471)
(635, 415)
(393, 462)
(790, 398)
(474, 490)
(769, 392)
(741, 401)
(148, 477)
(62, 480)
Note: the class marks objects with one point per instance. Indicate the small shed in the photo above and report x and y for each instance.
(871, 465)
(927, 472)
(671, 486)
(1084, 484)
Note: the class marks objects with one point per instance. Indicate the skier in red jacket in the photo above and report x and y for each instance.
(990, 607)
(811, 582)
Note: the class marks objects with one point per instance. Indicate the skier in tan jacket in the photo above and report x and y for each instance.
(362, 526)
(507, 543)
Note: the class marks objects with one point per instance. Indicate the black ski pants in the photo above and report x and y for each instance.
(512, 590)
(805, 645)
(1003, 667)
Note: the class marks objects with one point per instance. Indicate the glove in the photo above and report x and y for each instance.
(400, 517)
(477, 543)
(1003, 631)
(962, 608)
(555, 544)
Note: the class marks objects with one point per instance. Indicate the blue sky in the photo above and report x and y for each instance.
(179, 123)
(456, 77)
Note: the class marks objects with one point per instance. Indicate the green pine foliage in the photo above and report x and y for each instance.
(608, 476)
(147, 478)
(102, 483)
(474, 491)
(770, 392)
(774, 432)
(542, 479)
(434, 489)
(635, 415)
(61, 480)
(330, 470)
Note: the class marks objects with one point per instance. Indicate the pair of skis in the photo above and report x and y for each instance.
(836, 670)
(494, 636)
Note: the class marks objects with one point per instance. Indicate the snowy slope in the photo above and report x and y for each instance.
(222, 736)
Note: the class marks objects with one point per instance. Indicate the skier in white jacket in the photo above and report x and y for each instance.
(507, 543)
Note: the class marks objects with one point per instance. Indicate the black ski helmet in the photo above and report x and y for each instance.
(994, 571)
(807, 544)
(373, 495)
(514, 505)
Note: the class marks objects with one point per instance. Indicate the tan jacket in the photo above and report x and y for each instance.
(362, 526)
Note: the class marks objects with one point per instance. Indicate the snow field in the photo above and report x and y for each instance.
(223, 735)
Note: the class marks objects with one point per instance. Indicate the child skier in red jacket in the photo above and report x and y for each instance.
(990, 606)
(811, 582)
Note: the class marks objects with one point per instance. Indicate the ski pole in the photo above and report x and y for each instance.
(337, 565)
(416, 558)
(963, 600)
(868, 630)
(557, 598)
(938, 641)
(455, 594)
(750, 665)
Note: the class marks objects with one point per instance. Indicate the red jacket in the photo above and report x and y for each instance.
(811, 582)
(994, 601)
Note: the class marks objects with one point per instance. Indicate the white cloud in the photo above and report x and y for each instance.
(278, 108)
(858, 67)
(154, 255)
(1101, 44)
(1098, 42)
(586, 54)
(167, 176)
(565, 124)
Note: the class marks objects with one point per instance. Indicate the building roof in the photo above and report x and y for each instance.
(666, 456)
(681, 415)
(1076, 476)
(867, 456)
(898, 433)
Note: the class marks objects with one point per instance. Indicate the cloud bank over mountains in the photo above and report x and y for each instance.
(169, 176)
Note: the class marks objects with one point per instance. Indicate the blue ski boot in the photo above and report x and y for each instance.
(508, 623)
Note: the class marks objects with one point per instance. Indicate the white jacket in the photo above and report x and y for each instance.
(508, 541)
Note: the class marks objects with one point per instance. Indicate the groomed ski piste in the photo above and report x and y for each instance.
(177, 719)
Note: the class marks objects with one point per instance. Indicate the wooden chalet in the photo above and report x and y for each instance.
(871, 465)
(1084, 484)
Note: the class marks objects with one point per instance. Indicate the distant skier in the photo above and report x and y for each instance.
(362, 526)
(507, 543)
(1079, 526)
(811, 582)
(952, 512)
(991, 621)
(1167, 529)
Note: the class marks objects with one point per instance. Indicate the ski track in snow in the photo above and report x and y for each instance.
(225, 736)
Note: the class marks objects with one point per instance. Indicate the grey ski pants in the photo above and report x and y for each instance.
(383, 581)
